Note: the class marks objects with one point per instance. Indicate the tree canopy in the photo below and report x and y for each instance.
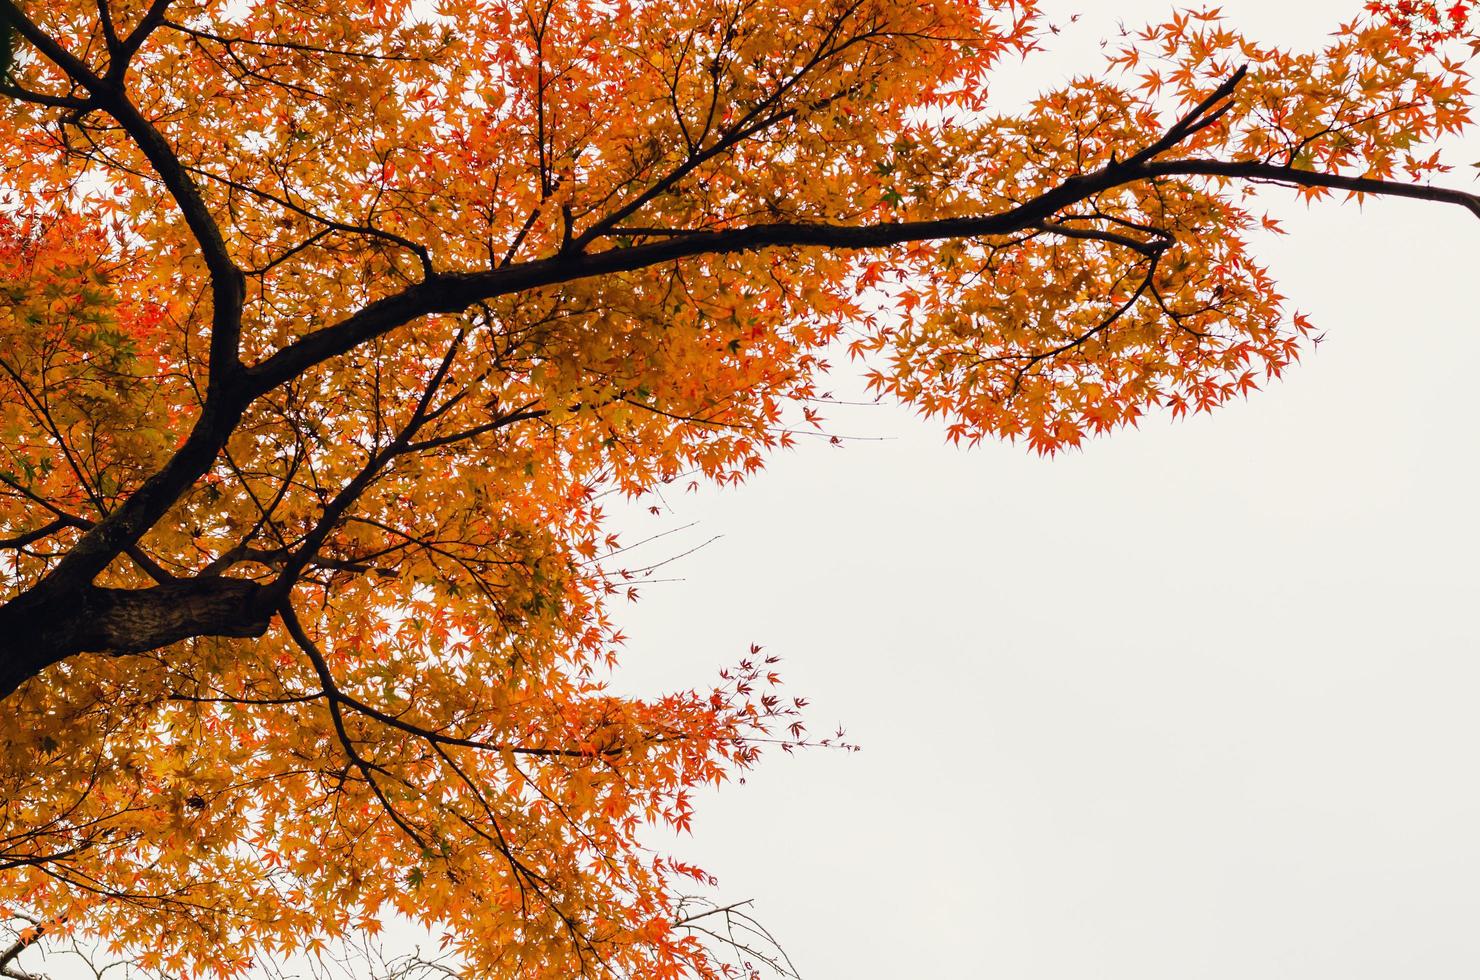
(328, 327)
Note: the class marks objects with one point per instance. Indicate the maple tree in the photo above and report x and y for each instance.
(327, 326)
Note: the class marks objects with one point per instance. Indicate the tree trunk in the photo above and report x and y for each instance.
(38, 633)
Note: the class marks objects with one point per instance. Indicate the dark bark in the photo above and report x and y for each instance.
(36, 633)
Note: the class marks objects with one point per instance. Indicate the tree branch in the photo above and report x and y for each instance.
(1253, 170)
(223, 407)
(453, 292)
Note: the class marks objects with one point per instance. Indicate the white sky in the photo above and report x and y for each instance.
(1196, 702)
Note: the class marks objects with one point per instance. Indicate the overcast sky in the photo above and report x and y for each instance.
(1199, 701)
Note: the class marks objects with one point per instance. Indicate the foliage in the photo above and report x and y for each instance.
(329, 324)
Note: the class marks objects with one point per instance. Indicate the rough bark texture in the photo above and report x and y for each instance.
(35, 634)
